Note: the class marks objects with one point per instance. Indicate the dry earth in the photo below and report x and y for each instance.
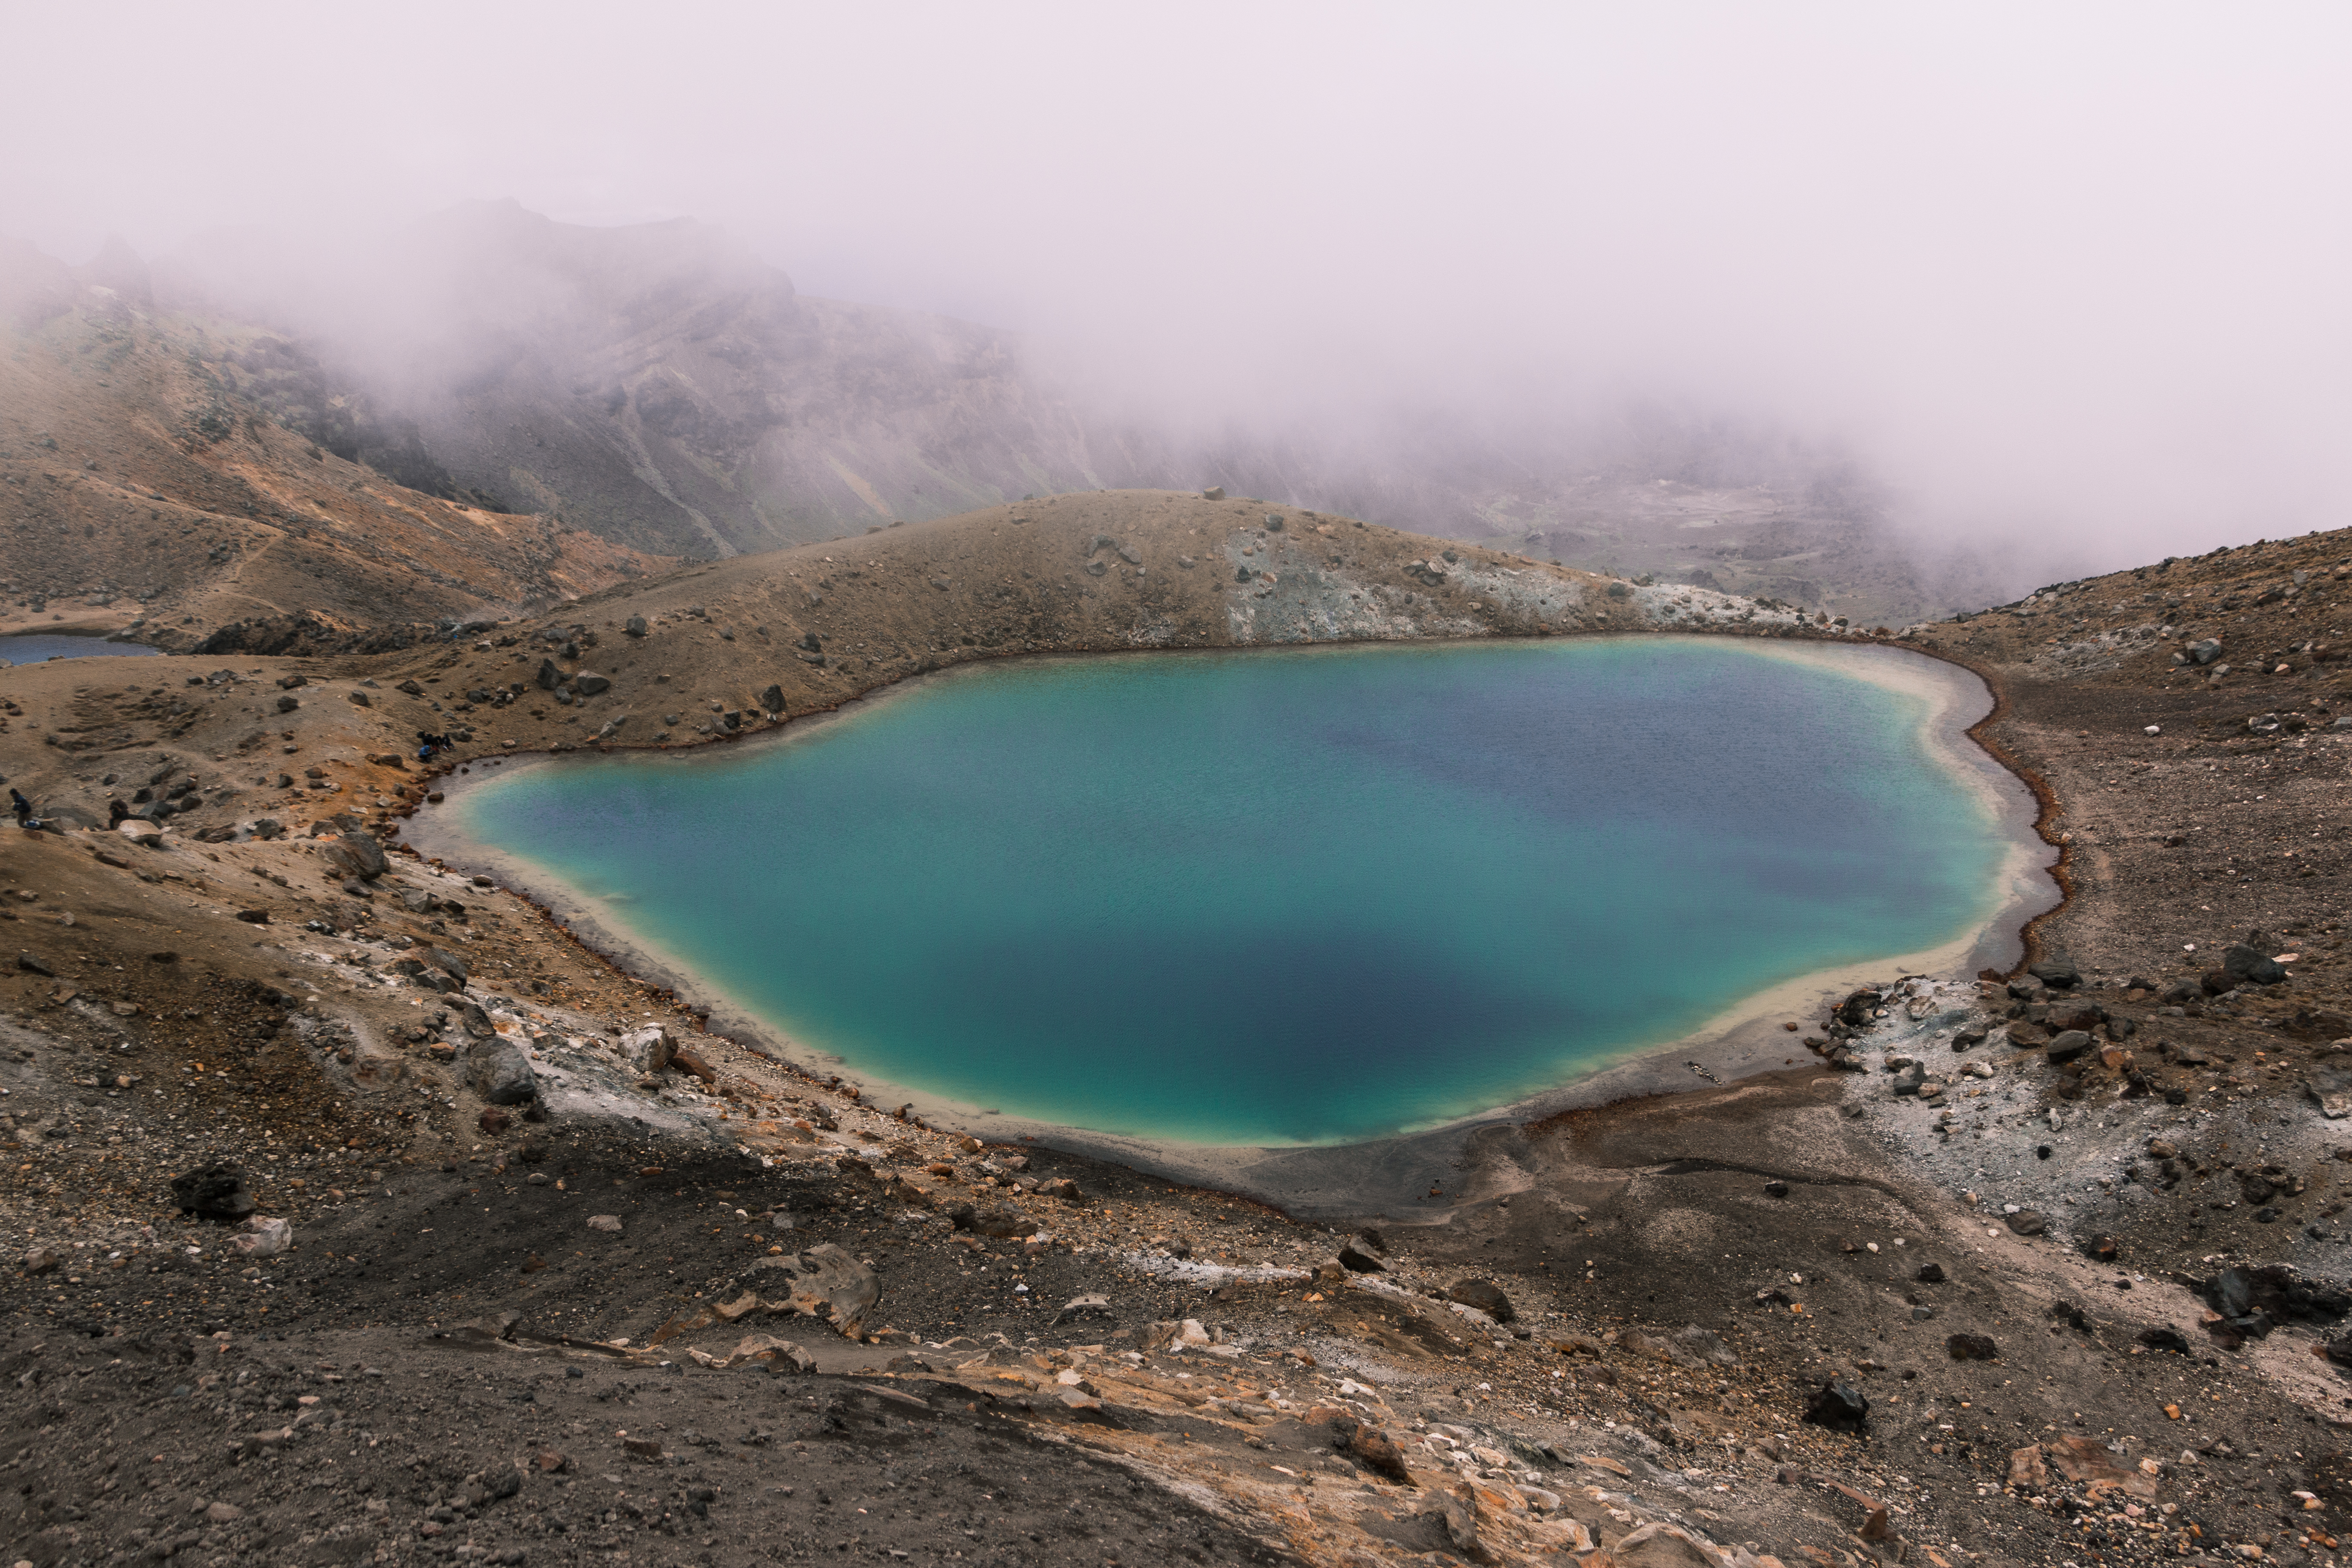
(143, 491)
(1681, 1274)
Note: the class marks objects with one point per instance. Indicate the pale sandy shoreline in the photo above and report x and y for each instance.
(1389, 1176)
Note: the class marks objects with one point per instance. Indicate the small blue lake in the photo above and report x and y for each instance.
(35, 648)
(1277, 897)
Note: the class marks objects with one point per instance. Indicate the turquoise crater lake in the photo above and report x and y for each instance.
(1283, 897)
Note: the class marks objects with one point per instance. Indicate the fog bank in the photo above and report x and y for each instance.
(2066, 283)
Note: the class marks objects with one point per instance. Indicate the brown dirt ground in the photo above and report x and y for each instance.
(1637, 1219)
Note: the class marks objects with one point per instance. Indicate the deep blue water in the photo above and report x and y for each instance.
(33, 648)
(1270, 897)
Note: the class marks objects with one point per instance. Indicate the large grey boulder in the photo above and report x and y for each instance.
(1705, 1346)
(1483, 1295)
(357, 855)
(499, 1072)
(647, 1049)
(2331, 1088)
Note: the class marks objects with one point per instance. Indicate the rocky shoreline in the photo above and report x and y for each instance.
(1319, 1182)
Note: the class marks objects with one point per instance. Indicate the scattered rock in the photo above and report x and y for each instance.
(215, 1193)
(357, 855)
(2068, 1044)
(1458, 1510)
(2028, 1222)
(264, 1238)
(823, 1282)
(1357, 1260)
(1695, 1346)
(606, 1222)
(2330, 1088)
(1971, 1347)
(1838, 1405)
(1930, 1274)
(777, 1355)
(499, 1072)
(1378, 1452)
(1486, 1295)
(647, 1049)
(1656, 1545)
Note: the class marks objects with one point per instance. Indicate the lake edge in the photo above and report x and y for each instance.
(1731, 1043)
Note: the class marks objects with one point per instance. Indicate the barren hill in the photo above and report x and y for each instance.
(1996, 1269)
(662, 387)
(655, 384)
(143, 492)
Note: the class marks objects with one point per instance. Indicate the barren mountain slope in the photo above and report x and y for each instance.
(661, 385)
(142, 491)
(2058, 1364)
(656, 384)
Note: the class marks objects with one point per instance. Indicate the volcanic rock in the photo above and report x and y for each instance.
(1838, 1405)
(823, 1282)
(499, 1072)
(2069, 1044)
(1485, 1295)
(647, 1049)
(213, 1192)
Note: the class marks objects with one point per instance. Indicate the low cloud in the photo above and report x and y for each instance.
(2066, 284)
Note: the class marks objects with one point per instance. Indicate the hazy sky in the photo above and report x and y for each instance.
(2078, 267)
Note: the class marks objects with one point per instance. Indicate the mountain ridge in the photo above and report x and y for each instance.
(660, 386)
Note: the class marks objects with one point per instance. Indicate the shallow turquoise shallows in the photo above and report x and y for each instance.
(1280, 896)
